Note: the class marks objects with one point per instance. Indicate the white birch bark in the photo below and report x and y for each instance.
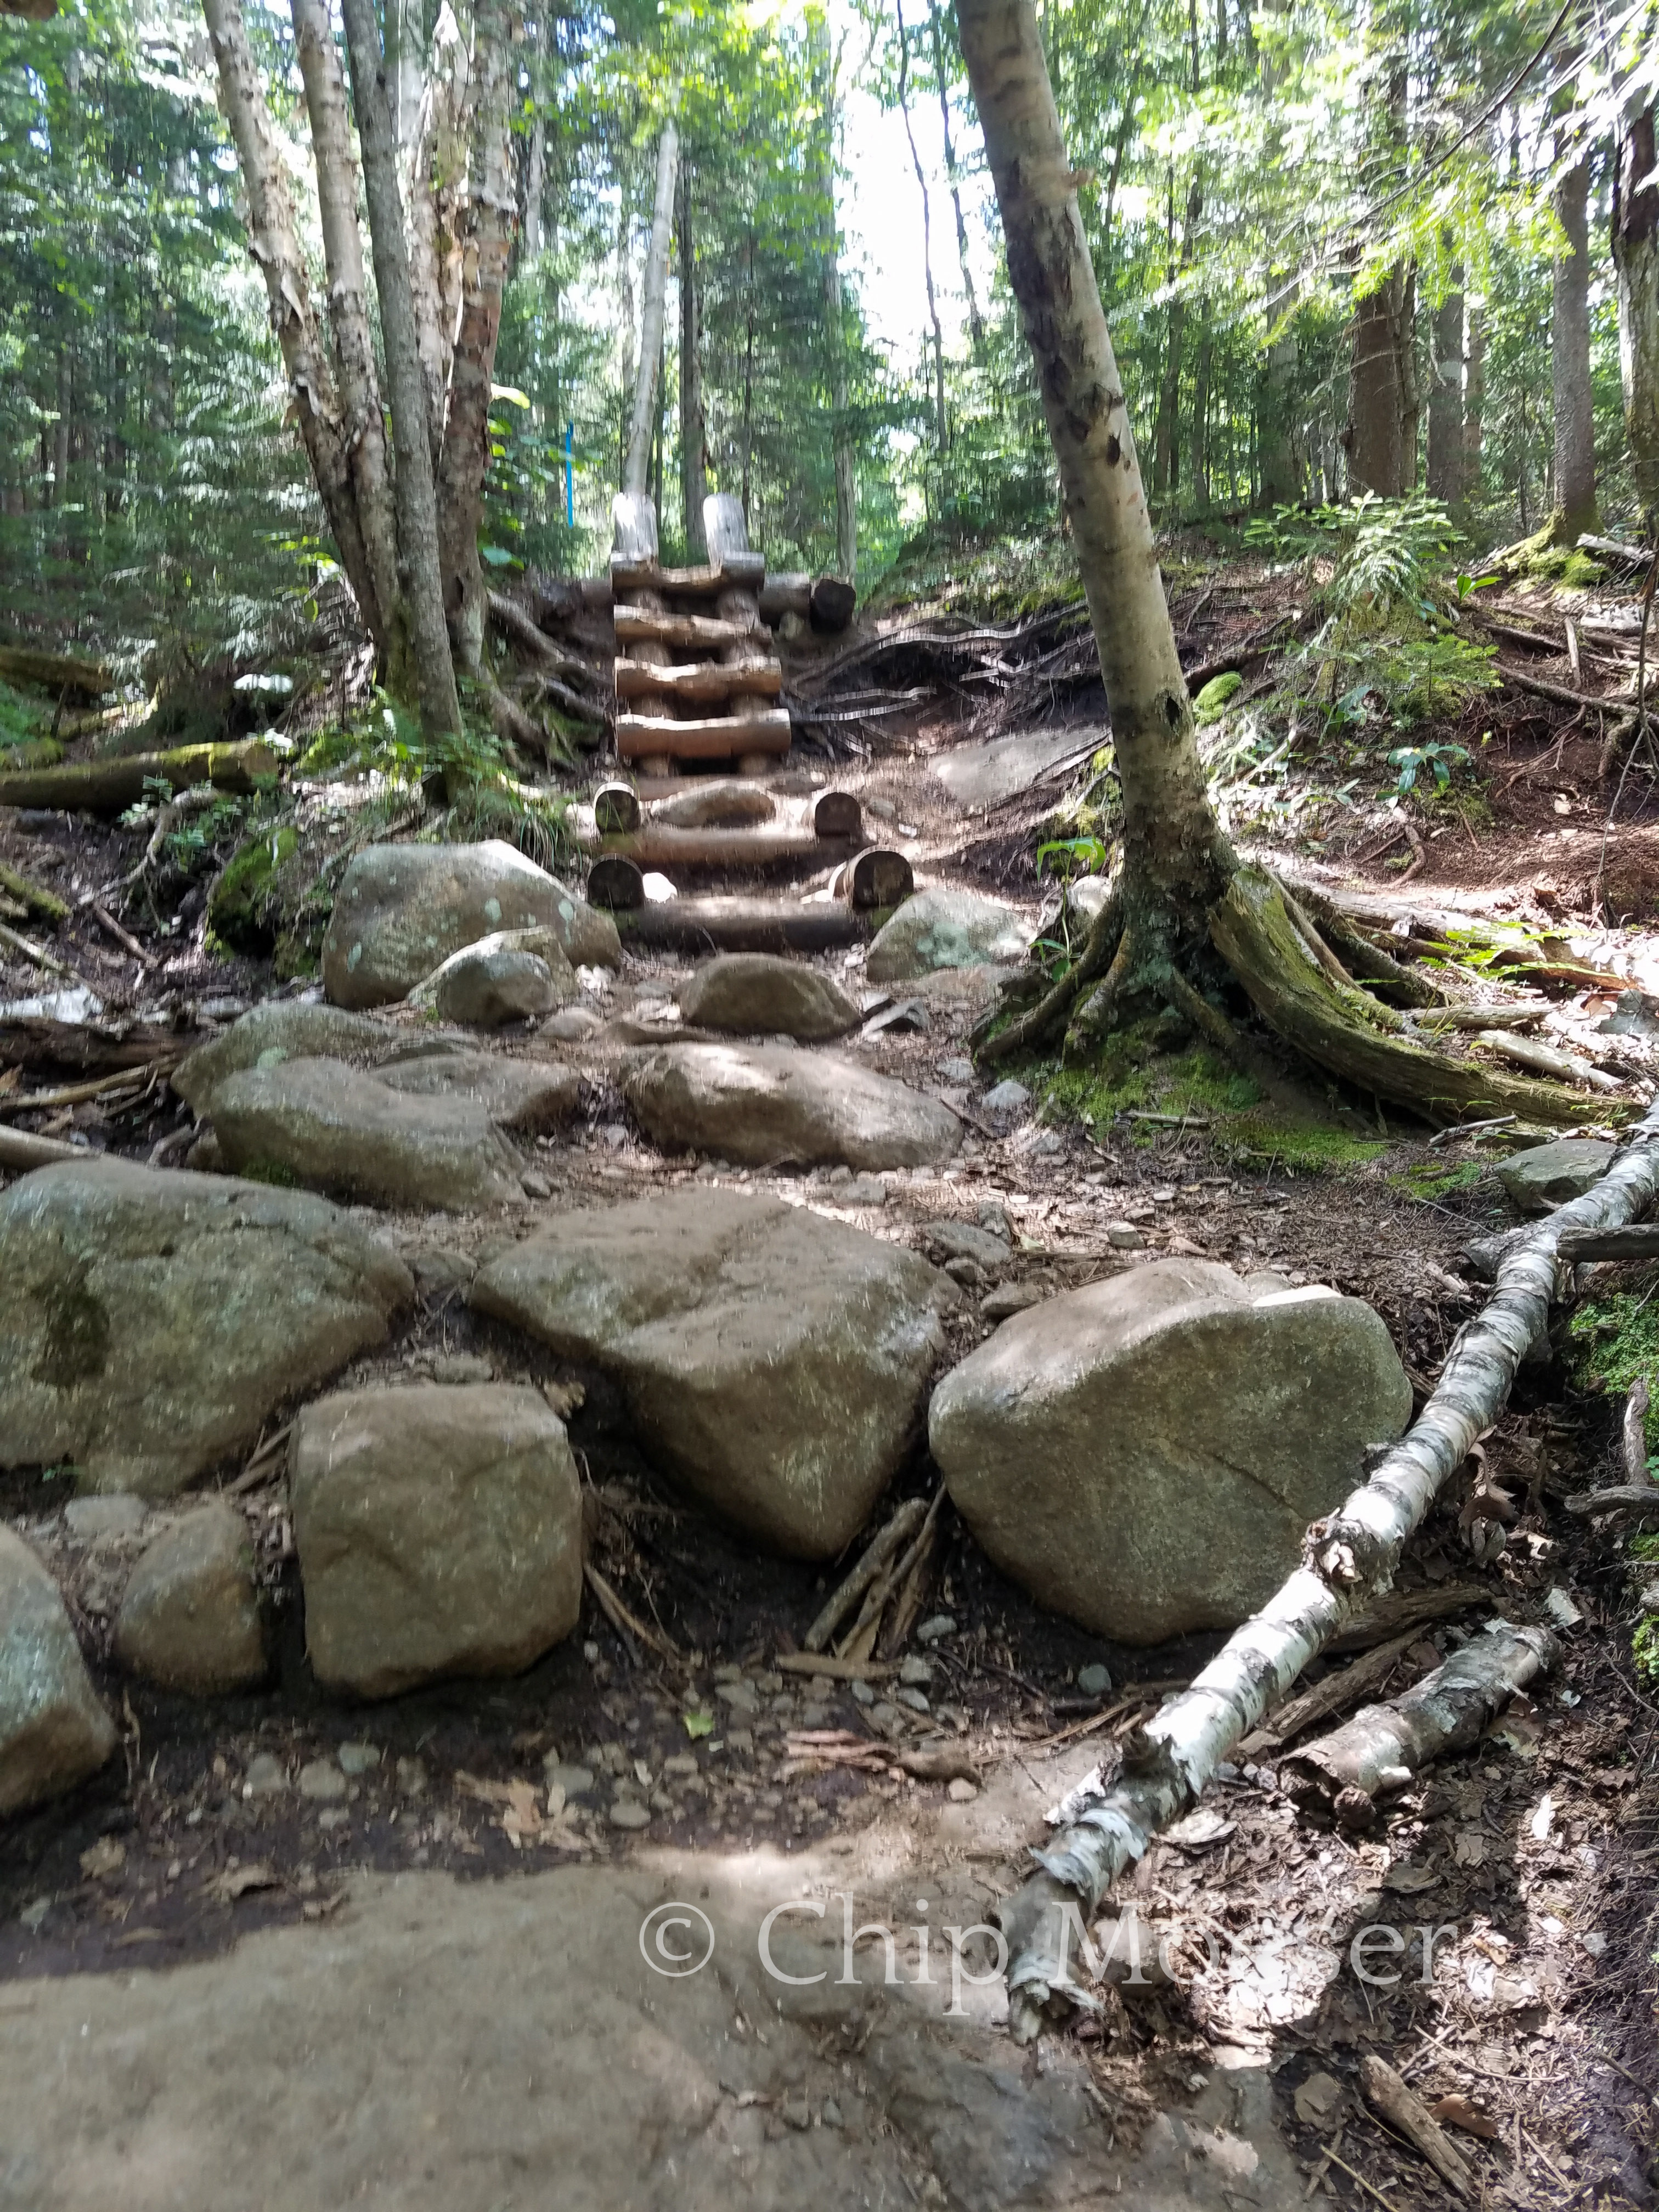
(637, 466)
(437, 173)
(1350, 1560)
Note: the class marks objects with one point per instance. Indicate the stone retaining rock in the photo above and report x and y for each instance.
(1547, 1176)
(945, 927)
(53, 1731)
(528, 1097)
(189, 1618)
(773, 1361)
(765, 1105)
(403, 910)
(758, 995)
(150, 1319)
(1144, 1456)
(282, 1028)
(323, 1124)
(512, 976)
(439, 1530)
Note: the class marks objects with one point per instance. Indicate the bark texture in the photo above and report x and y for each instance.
(637, 466)
(693, 462)
(1635, 264)
(847, 526)
(1351, 1558)
(1445, 472)
(1569, 363)
(1380, 435)
(1177, 859)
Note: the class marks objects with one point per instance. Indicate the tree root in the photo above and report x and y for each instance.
(1050, 1010)
(1366, 961)
(1339, 1029)
(1094, 1016)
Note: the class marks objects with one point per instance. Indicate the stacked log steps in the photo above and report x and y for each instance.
(650, 621)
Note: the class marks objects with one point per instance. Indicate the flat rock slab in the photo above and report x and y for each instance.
(53, 1731)
(190, 1618)
(773, 1362)
(528, 1097)
(151, 1319)
(403, 910)
(1547, 1176)
(761, 995)
(1144, 1455)
(439, 1530)
(945, 927)
(763, 1105)
(282, 1028)
(329, 1127)
(984, 775)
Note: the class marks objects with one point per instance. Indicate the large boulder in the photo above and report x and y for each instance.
(190, 1618)
(151, 1319)
(403, 910)
(1144, 1455)
(439, 1530)
(759, 994)
(331, 1128)
(766, 1105)
(773, 1361)
(280, 1030)
(945, 927)
(53, 1731)
(1547, 1176)
(512, 976)
(528, 1096)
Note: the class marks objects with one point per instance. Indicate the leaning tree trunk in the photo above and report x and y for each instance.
(636, 468)
(1635, 263)
(417, 502)
(1569, 363)
(465, 456)
(274, 243)
(694, 463)
(1177, 860)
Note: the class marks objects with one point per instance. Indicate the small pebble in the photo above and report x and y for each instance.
(321, 1780)
(796, 2113)
(1124, 1237)
(831, 2114)
(1005, 1097)
(266, 1777)
(961, 1791)
(916, 1672)
(575, 1781)
(863, 1693)
(1094, 1681)
(940, 1626)
(628, 1812)
(913, 1699)
(358, 1757)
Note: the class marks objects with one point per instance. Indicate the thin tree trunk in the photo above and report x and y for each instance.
(749, 380)
(1176, 857)
(1445, 478)
(1167, 471)
(1197, 462)
(1636, 264)
(535, 167)
(976, 322)
(417, 502)
(1281, 476)
(1569, 362)
(436, 173)
(847, 489)
(693, 463)
(637, 466)
(274, 243)
(1474, 403)
(939, 427)
(354, 346)
(492, 213)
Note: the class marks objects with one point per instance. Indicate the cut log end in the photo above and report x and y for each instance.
(616, 883)
(876, 879)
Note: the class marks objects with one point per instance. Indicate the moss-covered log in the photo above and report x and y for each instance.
(57, 672)
(110, 787)
(34, 898)
(1341, 1029)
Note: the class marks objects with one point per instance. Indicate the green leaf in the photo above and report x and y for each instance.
(698, 1724)
(509, 391)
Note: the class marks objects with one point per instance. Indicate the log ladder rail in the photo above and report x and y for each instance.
(697, 679)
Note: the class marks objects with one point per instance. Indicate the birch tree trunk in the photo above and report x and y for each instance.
(694, 467)
(417, 503)
(436, 172)
(636, 468)
(274, 243)
(1569, 363)
(363, 427)
(1177, 860)
(492, 214)
(1636, 264)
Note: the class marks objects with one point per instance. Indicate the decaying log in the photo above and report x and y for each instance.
(1633, 1431)
(34, 898)
(648, 737)
(875, 879)
(1620, 1498)
(827, 602)
(110, 787)
(1483, 1018)
(55, 671)
(1351, 1560)
(37, 953)
(20, 1152)
(1383, 1747)
(875, 1557)
(697, 679)
(1402, 1609)
(1330, 1696)
(1406, 2112)
(1639, 1241)
(741, 925)
(1544, 1059)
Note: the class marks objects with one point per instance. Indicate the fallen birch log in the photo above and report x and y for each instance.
(1544, 1059)
(1383, 1747)
(1639, 1242)
(1350, 1561)
(110, 787)
(20, 1150)
(1330, 1697)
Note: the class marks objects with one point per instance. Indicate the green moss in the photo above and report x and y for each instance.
(277, 1173)
(1429, 1184)
(242, 910)
(1644, 1647)
(1618, 1342)
(76, 1346)
(1130, 1074)
(1212, 701)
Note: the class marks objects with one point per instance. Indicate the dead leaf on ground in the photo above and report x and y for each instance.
(237, 1881)
(1411, 1881)
(1458, 2112)
(106, 1857)
(1199, 1831)
(1319, 2099)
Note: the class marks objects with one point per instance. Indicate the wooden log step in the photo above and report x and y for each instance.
(739, 571)
(837, 814)
(616, 883)
(616, 810)
(109, 786)
(636, 626)
(741, 925)
(661, 845)
(875, 878)
(642, 736)
(697, 679)
(825, 601)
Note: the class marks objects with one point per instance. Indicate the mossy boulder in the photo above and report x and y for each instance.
(1217, 695)
(245, 910)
